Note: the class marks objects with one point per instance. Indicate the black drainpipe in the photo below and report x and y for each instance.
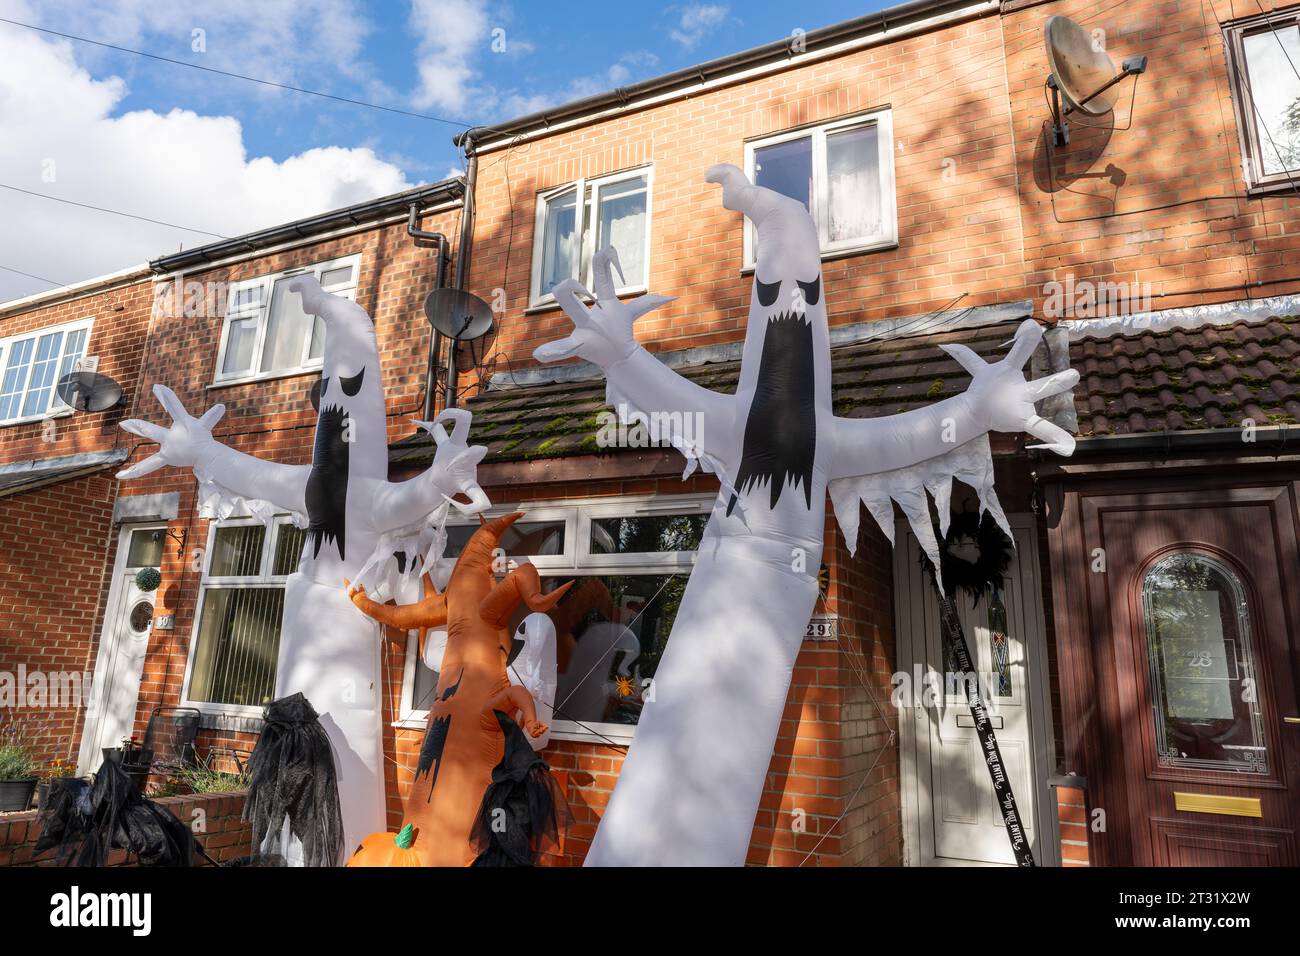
(463, 251)
(435, 343)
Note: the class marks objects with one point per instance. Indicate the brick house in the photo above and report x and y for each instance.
(1143, 650)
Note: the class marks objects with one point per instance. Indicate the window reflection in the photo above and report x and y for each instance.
(1201, 659)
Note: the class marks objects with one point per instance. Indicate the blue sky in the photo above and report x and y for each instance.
(225, 156)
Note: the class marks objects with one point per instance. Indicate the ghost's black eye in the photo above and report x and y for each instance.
(352, 385)
(812, 291)
(767, 291)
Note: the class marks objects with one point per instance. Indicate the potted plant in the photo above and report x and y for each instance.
(60, 773)
(17, 769)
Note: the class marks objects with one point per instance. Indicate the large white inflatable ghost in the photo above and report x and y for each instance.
(690, 787)
(329, 650)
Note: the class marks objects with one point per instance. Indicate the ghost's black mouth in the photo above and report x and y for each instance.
(781, 431)
(327, 485)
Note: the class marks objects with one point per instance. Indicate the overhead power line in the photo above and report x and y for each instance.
(19, 272)
(115, 212)
(235, 76)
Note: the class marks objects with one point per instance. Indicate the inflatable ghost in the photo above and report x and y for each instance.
(329, 651)
(690, 787)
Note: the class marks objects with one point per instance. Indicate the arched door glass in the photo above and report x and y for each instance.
(1202, 663)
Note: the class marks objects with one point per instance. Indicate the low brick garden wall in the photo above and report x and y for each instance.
(214, 817)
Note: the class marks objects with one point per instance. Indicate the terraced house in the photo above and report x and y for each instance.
(1141, 654)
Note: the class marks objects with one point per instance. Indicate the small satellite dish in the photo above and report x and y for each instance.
(89, 391)
(315, 394)
(458, 314)
(1083, 73)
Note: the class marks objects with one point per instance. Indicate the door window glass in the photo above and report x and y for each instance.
(146, 549)
(1204, 686)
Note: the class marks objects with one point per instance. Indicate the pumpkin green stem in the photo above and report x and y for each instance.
(406, 837)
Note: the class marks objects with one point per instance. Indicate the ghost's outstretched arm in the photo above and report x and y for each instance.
(902, 457)
(188, 443)
(454, 471)
(999, 399)
(696, 420)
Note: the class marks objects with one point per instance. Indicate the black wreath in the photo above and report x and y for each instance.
(986, 573)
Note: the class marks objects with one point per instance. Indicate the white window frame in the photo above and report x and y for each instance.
(1253, 148)
(262, 310)
(56, 407)
(264, 579)
(580, 562)
(536, 299)
(883, 120)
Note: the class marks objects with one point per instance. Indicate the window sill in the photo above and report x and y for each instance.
(1269, 189)
(30, 419)
(264, 377)
(830, 255)
(550, 305)
(617, 738)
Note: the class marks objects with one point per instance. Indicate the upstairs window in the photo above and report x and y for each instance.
(31, 365)
(267, 334)
(614, 211)
(1264, 60)
(842, 172)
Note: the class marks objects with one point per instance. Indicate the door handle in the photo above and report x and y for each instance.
(1291, 720)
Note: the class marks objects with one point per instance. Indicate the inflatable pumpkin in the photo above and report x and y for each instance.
(388, 849)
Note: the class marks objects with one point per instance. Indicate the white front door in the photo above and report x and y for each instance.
(949, 805)
(123, 645)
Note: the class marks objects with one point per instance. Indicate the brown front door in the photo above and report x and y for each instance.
(1201, 594)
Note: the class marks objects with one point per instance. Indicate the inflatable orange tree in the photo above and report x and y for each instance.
(466, 758)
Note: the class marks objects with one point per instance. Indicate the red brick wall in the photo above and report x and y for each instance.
(977, 222)
(1072, 813)
(214, 818)
(949, 99)
(1181, 148)
(121, 324)
(52, 538)
(52, 585)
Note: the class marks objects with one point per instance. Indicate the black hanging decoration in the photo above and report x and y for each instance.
(985, 574)
(85, 823)
(1006, 799)
(291, 775)
(523, 809)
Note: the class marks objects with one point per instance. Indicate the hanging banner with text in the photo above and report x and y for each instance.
(1006, 800)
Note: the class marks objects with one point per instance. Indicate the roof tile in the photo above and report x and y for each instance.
(1209, 377)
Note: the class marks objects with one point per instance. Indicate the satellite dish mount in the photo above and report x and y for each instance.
(1083, 77)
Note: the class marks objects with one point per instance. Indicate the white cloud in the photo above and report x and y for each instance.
(696, 22)
(619, 74)
(305, 42)
(451, 35)
(459, 41)
(61, 137)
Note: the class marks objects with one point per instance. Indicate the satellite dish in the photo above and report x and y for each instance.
(315, 394)
(1083, 73)
(458, 314)
(89, 391)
